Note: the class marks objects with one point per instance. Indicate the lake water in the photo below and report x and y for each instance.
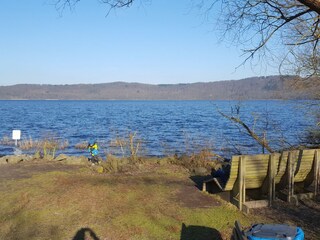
(162, 127)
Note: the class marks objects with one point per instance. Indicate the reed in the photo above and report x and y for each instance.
(45, 147)
(27, 144)
(130, 146)
(6, 141)
(81, 145)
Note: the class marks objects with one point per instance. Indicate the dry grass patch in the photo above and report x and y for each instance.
(145, 205)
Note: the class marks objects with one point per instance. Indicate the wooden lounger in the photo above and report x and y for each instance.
(269, 173)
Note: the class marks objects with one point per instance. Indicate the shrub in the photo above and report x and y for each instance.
(45, 147)
(205, 158)
(130, 146)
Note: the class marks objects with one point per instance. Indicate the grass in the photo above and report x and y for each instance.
(144, 205)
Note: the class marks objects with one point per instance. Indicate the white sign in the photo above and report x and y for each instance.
(16, 134)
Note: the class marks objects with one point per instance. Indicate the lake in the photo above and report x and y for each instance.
(161, 127)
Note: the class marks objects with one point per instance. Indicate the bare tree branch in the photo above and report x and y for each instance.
(314, 5)
(261, 141)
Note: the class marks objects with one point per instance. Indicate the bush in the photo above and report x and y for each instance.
(205, 159)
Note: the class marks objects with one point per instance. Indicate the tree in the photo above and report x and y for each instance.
(259, 24)
(254, 24)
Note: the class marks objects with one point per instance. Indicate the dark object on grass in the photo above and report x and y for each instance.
(268, 232)
(222, 173)
(83, 233)
(274, 231)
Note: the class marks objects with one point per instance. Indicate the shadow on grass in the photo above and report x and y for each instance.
(199, 233)
(211, 187)
(84, 233)
(198, 180)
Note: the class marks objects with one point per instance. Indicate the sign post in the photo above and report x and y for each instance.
(16, 135)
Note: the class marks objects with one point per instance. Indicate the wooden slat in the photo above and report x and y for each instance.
(257, 156)
(257, 172)
(290, 176)
(273, 162)
(242, 188)
(257, 204)
(254, 185)
(255, 168)
(316, 172)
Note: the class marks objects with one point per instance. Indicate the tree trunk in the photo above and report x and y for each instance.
(314, 5)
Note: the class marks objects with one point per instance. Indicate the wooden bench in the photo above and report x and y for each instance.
(269, 173)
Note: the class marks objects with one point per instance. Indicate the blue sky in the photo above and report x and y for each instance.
(157, 43)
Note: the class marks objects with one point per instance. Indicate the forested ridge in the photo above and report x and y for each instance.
(271, 87)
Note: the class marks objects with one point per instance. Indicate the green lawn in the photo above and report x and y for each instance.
(151, 203)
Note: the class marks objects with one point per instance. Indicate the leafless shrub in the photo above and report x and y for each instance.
(82, 145)
(130, 146)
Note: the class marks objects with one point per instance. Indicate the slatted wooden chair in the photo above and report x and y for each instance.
(254, 172)
(246, 172)
(297, 168)
(281, 180)
(304, 171)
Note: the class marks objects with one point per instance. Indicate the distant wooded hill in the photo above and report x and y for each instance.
(271, 87)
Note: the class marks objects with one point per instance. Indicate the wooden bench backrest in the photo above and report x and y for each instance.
(257, 167)
(256, 170)
(282, 164)
(304, 164)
